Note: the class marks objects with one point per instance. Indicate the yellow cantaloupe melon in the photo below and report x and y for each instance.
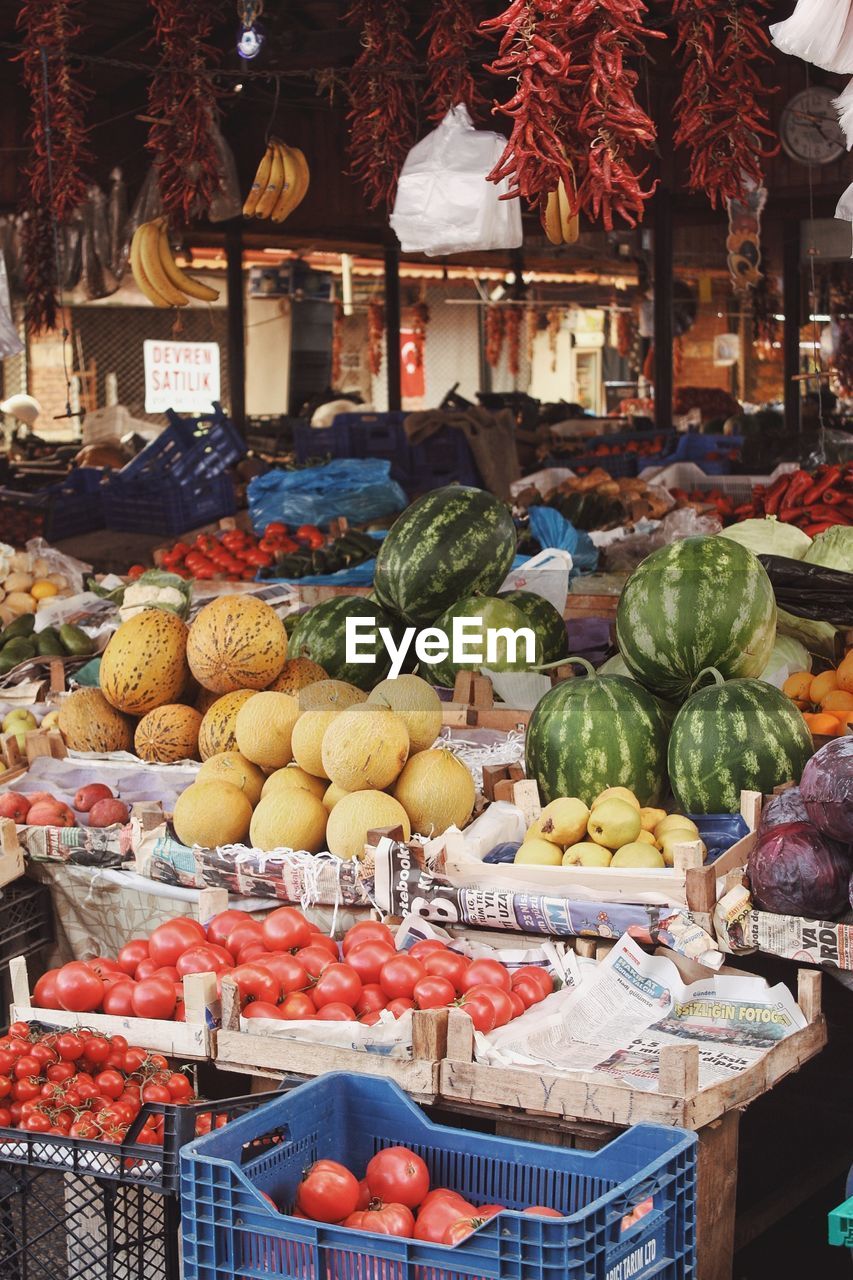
(365, 747)
(356, 814)
(264, 727)
(436, 790)
(333, 794)
(211, 814)
(168, 734)
(289, 818)
(416, 703)
(336, 693)
(292, 776)
(88, 722)
(296, 674)
(217, 726)
(308, 739)
(145, 663)
(236, 642)
(230, 766)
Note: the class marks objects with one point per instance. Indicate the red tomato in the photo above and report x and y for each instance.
(447, 964)
(205, 958)
(252, 951)
(499, 1000)
(97, 1050)
(275, 526)
(399, 1006)
(537, 974)
(434, 993)
(286, 929)
(25, 1090)
(368, 958)
(255, 983)
(372, 999)
(58, 1072)
(154, 998)
(44, 992)
(105, 968)
(262, 1009)
(172, 939)
(131, 954)
(243, 933)
(328, 1192)
(371, 1018)
(436, 1217)
(337, 984)
(287, 969)
(298, 1006)
(146, 969)
(110, 1083)
(397, 1175)
(78, 989)
(481, 1011)
(27, 1066)
(518, 1005)
(428, 947)
(44, 1053)
(399, 976)
(462, 1228)
(367, 931)
(529, 990)
(488, 972)
(323, 940)
(156, 1093)
(314, 960)
(118, 1000)
(542, 1211)
(70, 1046)
(336, 1012)
(221, 925)
(135, 571)
(386, 1220)
(179, 1086)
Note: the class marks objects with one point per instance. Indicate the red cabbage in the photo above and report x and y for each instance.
(795, 870)
(788, 806)
(827, 789)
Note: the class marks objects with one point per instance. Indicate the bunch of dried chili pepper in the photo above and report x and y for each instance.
(493, 326)
(420, 320)
(382, 114)
(180, 101)
(55, 171)
(375, 336)
(512, 337)
(453, 31)
(721, 113)
(337, 341)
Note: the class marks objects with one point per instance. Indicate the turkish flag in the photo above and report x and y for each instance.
(412, 384)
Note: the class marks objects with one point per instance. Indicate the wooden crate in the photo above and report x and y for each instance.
(584, 1096)
(11, 853)
(37, 743)
(473, 706)
(268, 1055)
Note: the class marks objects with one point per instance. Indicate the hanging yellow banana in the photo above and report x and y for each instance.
(153, 266)
(272, 191)
(259, 183)
(140, 277)
(176, 276)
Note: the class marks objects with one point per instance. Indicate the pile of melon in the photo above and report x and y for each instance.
(320, 768)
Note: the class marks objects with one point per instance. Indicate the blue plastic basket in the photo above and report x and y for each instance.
(440, 459)
(229, 1230)
(75, 505)
(380, 435)
(321, 442)
(190, 449)
(167, 506)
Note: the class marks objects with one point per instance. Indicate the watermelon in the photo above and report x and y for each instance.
(735, 735)
(494, 612)
(698, 603)
(546, 621)
(320, 634)
(449, 544)
(595, 732)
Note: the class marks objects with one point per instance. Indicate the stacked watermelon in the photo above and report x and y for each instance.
(320, 634)
(493, 613)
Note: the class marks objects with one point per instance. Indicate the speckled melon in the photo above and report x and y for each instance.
(236, 642)
(218, 726)
(168, 734)
(231, 767)
(335, 693)
(359, 812)
(296, 674)
(145, 663)
(88, 722)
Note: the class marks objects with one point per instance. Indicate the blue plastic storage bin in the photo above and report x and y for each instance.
(443, 458)
(321, 442)
(167, 507)
(229, 1230)
(380, 435)
(188, 450)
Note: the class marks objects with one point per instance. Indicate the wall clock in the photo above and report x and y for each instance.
(809, 127)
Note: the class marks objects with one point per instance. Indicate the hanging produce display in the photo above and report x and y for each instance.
(157, 274)
(452, 31)
(512, 336)
(575, 115)
(337, 341)
(57, 135)
(494, 326)
(420, 320)
(280, 183)
(375, 336)
(180, 102)
(721, 113)
(382, 99)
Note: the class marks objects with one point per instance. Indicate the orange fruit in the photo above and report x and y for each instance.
(837, 703)
(846, 723)
(797, 685)
(845, 674)
(822, 685)
(824, 725)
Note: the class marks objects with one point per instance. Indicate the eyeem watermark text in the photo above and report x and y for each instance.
(469, 642)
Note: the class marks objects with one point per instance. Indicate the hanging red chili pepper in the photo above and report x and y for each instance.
(337, 341)
(420, 320)
(375, 336)
(721, 113)
(626, 330)
(180, 100)
(512, 337)
(382, 98)
(493, 327)
(55, 171)
(453, 32)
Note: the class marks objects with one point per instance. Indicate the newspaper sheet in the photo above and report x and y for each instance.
(625, 1010)
(739, 927)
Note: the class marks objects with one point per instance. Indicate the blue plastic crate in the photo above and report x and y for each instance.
(230, 1230)
(379, 435)
(167, 506)
(188, 450)
(440, 459)
(321, 442)
(75, 505)
(693, 447)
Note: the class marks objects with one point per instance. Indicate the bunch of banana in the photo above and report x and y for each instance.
(156, 273)
(561, 225)
(280, 183)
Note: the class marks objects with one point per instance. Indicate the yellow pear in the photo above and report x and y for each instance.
(50, 721)
(676, 836)
(616, 793)
(538, 853)
(637, 854)
(587, 854)
(563, 821)
(674, 822)
(651, 817)
(646, 837)
(614, 823)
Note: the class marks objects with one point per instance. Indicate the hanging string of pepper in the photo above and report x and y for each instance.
(420, 320)
(375, 336)
(453, 32)
(55, 171)
(493, 327)
(512, 337)
(575, 115)
(181, 107)
(721, 113)
(337, 341)
(382, 115)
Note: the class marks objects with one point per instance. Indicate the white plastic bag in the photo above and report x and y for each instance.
(444, 203)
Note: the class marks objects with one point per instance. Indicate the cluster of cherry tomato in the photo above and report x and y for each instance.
(80, 1084)
(236, 554)
(285, 968)
(393, 1199)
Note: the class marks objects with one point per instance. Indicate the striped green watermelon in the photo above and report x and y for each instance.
(547, 622)
(698, 603)
(449, 544)
(736, 735)
(493, 612)
(595, 732)
(320, 634)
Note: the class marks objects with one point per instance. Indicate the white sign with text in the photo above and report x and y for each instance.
(180, 375)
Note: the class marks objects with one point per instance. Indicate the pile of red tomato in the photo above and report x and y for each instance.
(393, 1199)
(235, 554)
(285, 968)
(80, 1084)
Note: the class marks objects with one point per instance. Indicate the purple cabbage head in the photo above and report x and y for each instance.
(795, 870)
(827, 789)
(788, 806)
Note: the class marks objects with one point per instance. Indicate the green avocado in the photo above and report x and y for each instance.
(22, 626)
(48, 644)
(75, 641)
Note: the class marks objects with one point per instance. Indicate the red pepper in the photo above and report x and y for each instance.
(773, 496)
(833, 497)
(827, 480)
(821, 527)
